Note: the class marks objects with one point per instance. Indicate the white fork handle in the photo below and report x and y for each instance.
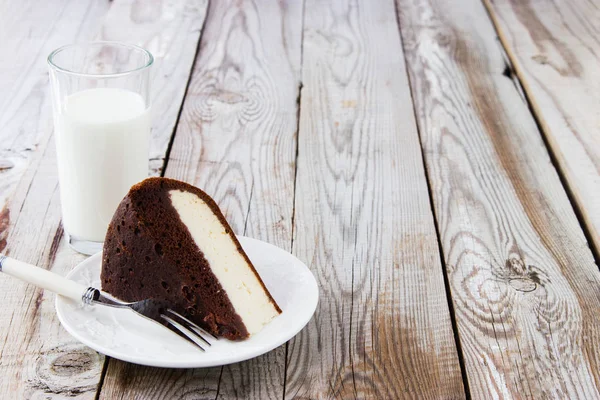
(42, 278)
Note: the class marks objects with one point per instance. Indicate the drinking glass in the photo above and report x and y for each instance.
(101, 103)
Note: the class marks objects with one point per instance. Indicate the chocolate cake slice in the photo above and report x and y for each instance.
(169, 240)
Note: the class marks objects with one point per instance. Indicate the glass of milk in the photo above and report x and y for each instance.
(101, 102)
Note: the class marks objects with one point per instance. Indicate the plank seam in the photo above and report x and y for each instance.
(298, 102)
(221, 373)
(461, 361)
(518, 74)
(287, 344)
(102, 376)
(185, 92)
(509, 71)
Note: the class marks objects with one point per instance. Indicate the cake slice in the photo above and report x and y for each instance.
(169, 240)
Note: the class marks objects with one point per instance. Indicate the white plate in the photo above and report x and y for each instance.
(123, 335)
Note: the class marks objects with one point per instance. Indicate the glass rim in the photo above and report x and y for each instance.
(147, 64)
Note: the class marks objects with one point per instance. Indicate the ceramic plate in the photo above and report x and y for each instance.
(124, 335)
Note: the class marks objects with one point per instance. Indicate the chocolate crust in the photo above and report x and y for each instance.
(147, 254)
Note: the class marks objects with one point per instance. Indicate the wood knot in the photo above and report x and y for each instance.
(525, 285)
(341, 46)
(228, 97)
(67, 369)
(520, 276)
(72, 363)
(516, 266)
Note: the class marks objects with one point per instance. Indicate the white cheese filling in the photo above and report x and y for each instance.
(236, 277)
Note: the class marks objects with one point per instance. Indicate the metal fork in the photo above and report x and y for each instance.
(157, 311)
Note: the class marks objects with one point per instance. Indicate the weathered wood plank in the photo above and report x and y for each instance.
(236, 140)
(555, 50)
(363, 220)
(524, 284)
(29, 31)
(35, 352)
(36, 355)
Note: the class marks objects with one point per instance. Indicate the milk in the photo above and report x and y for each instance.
(102, 139)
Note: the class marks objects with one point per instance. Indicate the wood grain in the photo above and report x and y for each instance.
(37, 357)
(555, 49)
(523, 280)
(363, 220)
(29, 31)
(236, 141)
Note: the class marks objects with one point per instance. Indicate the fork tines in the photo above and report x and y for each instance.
(187, 329)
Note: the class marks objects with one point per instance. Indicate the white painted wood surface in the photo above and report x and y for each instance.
(555, 50)
(29, 31)
(37, 357)
(346, 191)
(363, 221)
(523, 281)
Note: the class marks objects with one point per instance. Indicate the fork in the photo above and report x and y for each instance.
(155, 310)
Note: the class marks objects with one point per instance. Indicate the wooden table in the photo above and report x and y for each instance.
(436, 163)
